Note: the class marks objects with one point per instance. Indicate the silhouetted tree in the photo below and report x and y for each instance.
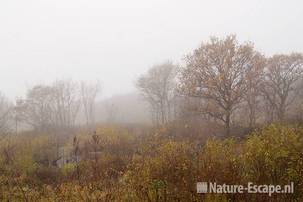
(280, 83)
(158, 88)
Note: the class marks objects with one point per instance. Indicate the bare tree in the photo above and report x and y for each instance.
(279, 87)
(89, 94)
(217, 72)
(66, 103)
(49, 107)
(158, 88)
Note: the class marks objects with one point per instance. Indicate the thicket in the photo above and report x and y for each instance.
(117, 164)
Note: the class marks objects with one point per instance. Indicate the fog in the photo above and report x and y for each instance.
(160, 100)
(115, 41)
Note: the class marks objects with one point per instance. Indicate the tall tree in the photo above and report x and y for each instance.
(67, 102)
(158, 88)
(89, 92)
(217, 72)
(36, 109)
(280, 82)
(49, 107)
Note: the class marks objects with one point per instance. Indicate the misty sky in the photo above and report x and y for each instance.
(114, 41)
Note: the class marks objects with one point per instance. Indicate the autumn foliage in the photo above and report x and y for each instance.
(117, 165)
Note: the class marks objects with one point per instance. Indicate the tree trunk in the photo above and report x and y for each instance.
(227, 123)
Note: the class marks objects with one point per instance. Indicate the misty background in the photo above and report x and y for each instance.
(116, 41)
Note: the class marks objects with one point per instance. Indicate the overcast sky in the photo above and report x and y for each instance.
(114, 41)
